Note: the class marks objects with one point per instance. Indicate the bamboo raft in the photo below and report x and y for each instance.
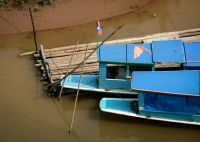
(54, 62)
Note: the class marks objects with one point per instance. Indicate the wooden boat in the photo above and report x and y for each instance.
(171, 96)
(90, 83)
(117, 62)
(115, 67)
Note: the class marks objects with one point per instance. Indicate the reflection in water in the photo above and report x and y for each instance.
(27, 114)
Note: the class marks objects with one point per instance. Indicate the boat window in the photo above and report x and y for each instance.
(115, 71)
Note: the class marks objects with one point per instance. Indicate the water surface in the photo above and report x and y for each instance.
(28, 114)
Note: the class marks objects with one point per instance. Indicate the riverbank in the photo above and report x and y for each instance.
(171, 15)
(64, 13)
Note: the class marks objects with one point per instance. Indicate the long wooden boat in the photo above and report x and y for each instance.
(171, 96)
(117, 62)
(90, 83)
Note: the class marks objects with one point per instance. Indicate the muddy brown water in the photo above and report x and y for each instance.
(28, 114)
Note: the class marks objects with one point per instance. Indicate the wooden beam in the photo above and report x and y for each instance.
(45, 63)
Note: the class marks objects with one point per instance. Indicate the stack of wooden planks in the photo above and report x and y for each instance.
(58, 59)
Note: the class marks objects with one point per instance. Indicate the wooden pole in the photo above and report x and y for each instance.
(33, 26)
(73, 115)
(97, 47)
(67, 70)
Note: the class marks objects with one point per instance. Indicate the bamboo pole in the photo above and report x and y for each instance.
(67, 70)
(74, 63)
(66, 50)
(34, 32)
(97, 47)
(76, 56)
(63, 68)
(73, 115)
(26, 53)
(90, 69)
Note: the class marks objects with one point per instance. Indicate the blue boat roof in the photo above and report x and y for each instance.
(124, 54)
(168, 51)
(192, 52)
(168, 82)
(145, 57)
(163, 51)
(112, 53)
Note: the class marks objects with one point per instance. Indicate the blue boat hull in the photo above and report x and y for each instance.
(125, 107)
(90, 83)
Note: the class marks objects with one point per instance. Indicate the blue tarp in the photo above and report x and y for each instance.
(171, 104)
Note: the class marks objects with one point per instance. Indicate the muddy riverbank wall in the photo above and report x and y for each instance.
(63, 13)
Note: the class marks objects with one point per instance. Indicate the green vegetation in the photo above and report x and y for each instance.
(22, 3)
(45, 1)
(1, 2)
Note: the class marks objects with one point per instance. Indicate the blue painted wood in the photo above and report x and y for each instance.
(141, 99)
(144, 58)
(112, 53)
(165, 114)
(168, 51)
(122, 105)
(192, 52)
(88, 81)
(105, 83)
(174, 116)
(171, 82)
(192, 66)
(102, 71)
(115, 84)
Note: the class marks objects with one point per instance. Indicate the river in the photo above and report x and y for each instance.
(28, 114)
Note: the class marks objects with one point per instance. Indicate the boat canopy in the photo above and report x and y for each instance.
(112, 53)
(168, 91)
(163, 51)
(124, 54)
(168, 82)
